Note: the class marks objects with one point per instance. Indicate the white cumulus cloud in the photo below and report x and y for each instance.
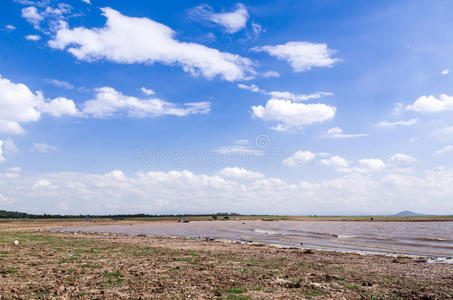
(335, 161)
(431, 104)
(299, 159)
(302, 56)
(371, 164)
(184, 191)
(239, 173)
(402, 162)
(293, 115)
(59, 107)
(130, 40)
(20, 105)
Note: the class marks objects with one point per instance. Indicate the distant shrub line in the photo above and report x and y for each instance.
(4, 214)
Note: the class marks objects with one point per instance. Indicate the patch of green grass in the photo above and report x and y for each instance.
(89, 266)
(12, 271)
(236, 290)
(339, 268)
(187, 260)
(70, 258)
(238, 297)
(193, 253)
(315, 292)
(72, 278)
(255, 262)
(84, 293)
(114, 278)
(348, 285)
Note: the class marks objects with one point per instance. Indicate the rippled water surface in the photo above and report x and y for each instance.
(421, 238)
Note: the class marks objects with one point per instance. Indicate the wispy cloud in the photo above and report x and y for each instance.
(42, 148)
(60, 83)
(397, 123)
(33, 37)
(445, 150)
(232, 22)
(337, 133)
(283, 94)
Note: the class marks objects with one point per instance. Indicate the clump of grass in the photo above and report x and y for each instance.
(12, 271)
(84, 293)
(236, 290)
(187, 260)
(114, 277)
(89, 266)
(348, 285)
(71, 279)
(315, 292)
(69, 259)
(238, 297)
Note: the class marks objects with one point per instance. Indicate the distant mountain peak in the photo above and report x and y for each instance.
(408, 213)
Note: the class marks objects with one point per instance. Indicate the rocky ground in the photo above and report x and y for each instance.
(89, 266)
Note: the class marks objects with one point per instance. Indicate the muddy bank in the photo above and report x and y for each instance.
(87, 266)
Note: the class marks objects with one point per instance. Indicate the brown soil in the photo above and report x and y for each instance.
(91, 266)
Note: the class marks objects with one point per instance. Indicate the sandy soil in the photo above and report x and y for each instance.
(90, 266)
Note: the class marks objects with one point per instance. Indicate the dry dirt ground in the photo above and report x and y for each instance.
(47, 265)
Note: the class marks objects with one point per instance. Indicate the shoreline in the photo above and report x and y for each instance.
(442, 259)
(84, 265)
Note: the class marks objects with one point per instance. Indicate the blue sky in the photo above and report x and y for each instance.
(291, 107)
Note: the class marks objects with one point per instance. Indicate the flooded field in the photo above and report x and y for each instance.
(418, 238)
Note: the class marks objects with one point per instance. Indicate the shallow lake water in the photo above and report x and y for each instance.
(417, 238)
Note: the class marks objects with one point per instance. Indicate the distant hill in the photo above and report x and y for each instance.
(407, 213)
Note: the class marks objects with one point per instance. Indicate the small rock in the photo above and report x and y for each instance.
(16, 242)
(367, 283)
